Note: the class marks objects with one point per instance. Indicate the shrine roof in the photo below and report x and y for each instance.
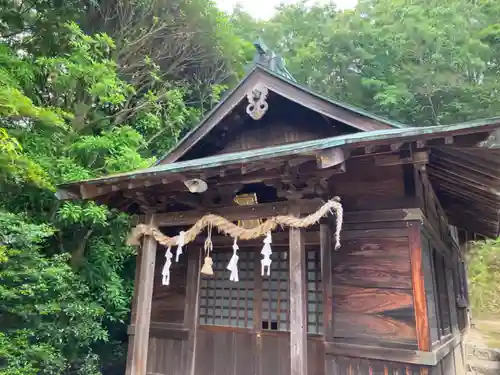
(275, 81)
(463, 167)
(307, 147)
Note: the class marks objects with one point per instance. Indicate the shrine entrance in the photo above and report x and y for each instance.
(244, 327)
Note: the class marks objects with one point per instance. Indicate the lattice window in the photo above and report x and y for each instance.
(225, 303)
(314, 293)
(275, 295)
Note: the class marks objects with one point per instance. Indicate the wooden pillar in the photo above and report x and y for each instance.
(144, 296)
(133, 315)
(326, 248)
(298, 315)
(192, 308)
(419, 297)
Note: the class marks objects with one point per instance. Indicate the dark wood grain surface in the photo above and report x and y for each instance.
(169, 301)
(419, 292)
(372, 290)
(377, 262)
(236, 352)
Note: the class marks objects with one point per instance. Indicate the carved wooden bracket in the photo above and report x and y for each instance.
(257, 106)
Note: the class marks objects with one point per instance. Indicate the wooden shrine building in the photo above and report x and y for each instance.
(391, 300)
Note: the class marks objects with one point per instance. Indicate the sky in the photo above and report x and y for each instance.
(264, 9)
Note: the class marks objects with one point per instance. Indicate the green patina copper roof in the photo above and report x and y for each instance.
(271, 61)
(394, 124)
(297, 148)
(272, 64)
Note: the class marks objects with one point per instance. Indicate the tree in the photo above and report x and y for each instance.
(418, 62)
(70, 109)
(48, 314)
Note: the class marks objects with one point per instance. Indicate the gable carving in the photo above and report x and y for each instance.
(257, 104)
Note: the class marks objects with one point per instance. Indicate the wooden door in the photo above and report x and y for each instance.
(244, 327)
(225, 342)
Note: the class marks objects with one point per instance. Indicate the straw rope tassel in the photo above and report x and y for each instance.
(166, 268)
(233, 263)
(266, 252)
(181, 239)
(207, 264)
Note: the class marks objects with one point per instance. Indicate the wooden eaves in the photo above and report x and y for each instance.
(466, 176)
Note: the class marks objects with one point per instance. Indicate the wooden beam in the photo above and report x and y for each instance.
(330, 157)
(419, 298)
(163, 330)
(236, 212)
(326, 248)
(452, 293)
(419, 157)
(312, 238)
(144, 297)
(396, 146)
(416, 357)
(298, 303)
(266, 210)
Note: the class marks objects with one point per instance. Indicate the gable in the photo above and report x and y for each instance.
(285, 99)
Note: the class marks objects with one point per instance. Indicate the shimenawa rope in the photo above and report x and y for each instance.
(227, 227)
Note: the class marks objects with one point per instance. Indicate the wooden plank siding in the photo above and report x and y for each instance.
(372, 291)
(339, 365)
(361, 186)
(165, 356)
(272, 132)
(170, 348)
(168, 305)
(235, 352)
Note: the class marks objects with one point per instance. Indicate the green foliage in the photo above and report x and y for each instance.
(15, 166)
(86, 91)
(48, 314)
(484, 274)
(75, 104)
(419, 62)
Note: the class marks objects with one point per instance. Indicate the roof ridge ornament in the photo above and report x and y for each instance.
(258, 105)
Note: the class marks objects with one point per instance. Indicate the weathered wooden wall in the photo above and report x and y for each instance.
(451, 364)
(442, 258)
(239, 352)
(364, 185)
(340, 365)
(261, 135)
(372, 288)
(373, 303)
(169, 303)
(172, 328)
